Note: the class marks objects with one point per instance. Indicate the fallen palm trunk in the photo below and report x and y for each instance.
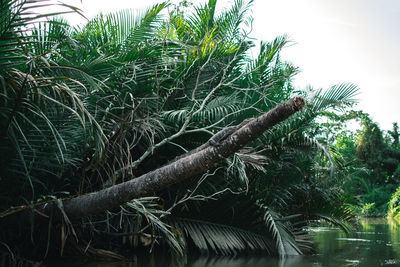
(172, 173)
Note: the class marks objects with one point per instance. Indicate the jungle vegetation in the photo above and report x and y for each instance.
(86, 108)
(368, 161)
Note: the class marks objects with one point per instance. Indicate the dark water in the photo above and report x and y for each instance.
(376, 243)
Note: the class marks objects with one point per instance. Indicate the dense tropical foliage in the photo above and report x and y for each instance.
(367, 161)
(87, 108)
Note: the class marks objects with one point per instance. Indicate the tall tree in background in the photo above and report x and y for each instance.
(394, 133)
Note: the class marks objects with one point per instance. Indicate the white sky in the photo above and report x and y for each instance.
(337, 41)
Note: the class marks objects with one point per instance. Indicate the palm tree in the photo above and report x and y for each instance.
(91, 107)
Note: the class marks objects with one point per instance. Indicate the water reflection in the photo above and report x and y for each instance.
(205, 261)
(376, 243)
(373, 245)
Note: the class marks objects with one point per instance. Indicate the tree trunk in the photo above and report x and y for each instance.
(176, 171)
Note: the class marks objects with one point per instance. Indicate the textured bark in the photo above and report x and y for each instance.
(176, 171)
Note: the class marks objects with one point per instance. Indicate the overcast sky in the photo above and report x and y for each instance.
(336, 41)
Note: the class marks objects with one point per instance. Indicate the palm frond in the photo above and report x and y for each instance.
(221, 239)
(345, 222)
(202, 20)
(46, 37)
(284, 239)
(215, 110)
(269, 51)
(337, 96)
(229, 21)
(16, 21)
(144, 28)
(306, 140)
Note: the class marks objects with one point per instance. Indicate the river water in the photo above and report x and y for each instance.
(375, 243)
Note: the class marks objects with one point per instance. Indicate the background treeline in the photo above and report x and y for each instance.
(368, 161)
(85, 108)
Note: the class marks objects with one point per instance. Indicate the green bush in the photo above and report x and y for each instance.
(368, 209)
(380, 195)
(394, 205)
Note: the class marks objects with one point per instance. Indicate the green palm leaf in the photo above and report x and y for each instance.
(338, 96)
(221, 239)
(285, 241)
(229, 21)
(215, 110)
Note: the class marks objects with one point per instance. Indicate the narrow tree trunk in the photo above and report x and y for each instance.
(177, 171)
